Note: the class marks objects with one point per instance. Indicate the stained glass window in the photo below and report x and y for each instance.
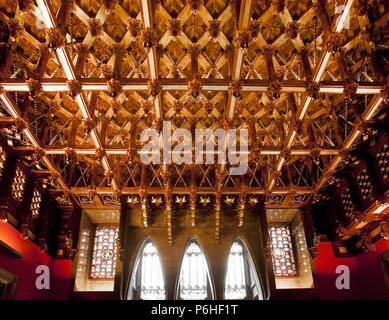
(282, 250)
(36, 203)
(3, 157)
(194, 283)
(104, 252)
(147, 281)
(18, 184)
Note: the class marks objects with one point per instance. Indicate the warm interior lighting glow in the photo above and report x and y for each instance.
(47, 18)
(9, 105)
(381, 208)
(372, 110)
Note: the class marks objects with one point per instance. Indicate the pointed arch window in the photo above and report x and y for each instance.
(241, 279)
(194, 281)
(147, 281)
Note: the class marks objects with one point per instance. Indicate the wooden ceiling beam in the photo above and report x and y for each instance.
(337, 26)
(67, 66)
(237, 64)
(15, 113)
(152, 58)
(186, 191)
(355, 133)
(93, 85)
(124, 151)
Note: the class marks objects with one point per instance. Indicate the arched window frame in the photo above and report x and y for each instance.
(208, 272)
(247, 255)
(136, 265)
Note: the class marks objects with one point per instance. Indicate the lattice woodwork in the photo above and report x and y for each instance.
(3, 158)
(36, 203)
(347, 204)
(382, 158)
(80, 80)
(365, 185)
(18, 184)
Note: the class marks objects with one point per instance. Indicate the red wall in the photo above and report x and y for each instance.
(370, 273)
(366, 275)
(25, 268)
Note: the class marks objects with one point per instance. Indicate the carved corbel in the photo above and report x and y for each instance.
(110, 5)
(95, 27)
(149, 38)
(313, 90)
(134, 26)
(154, 88)
(174, 28)
(114, 88)
(315, 155)
(194, 88)
(34, 86)
(74, 88)
(350, 91)
(292, 29)
(90, 124)
(195, 5)
(55, 38)
(214, 29)
(235, 89)
(107, 70)
(70, 154)
(242, 39)
(285, 153)
(100, 153)
(274, 89)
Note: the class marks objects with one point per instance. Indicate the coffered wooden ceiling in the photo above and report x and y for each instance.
(81, 79)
